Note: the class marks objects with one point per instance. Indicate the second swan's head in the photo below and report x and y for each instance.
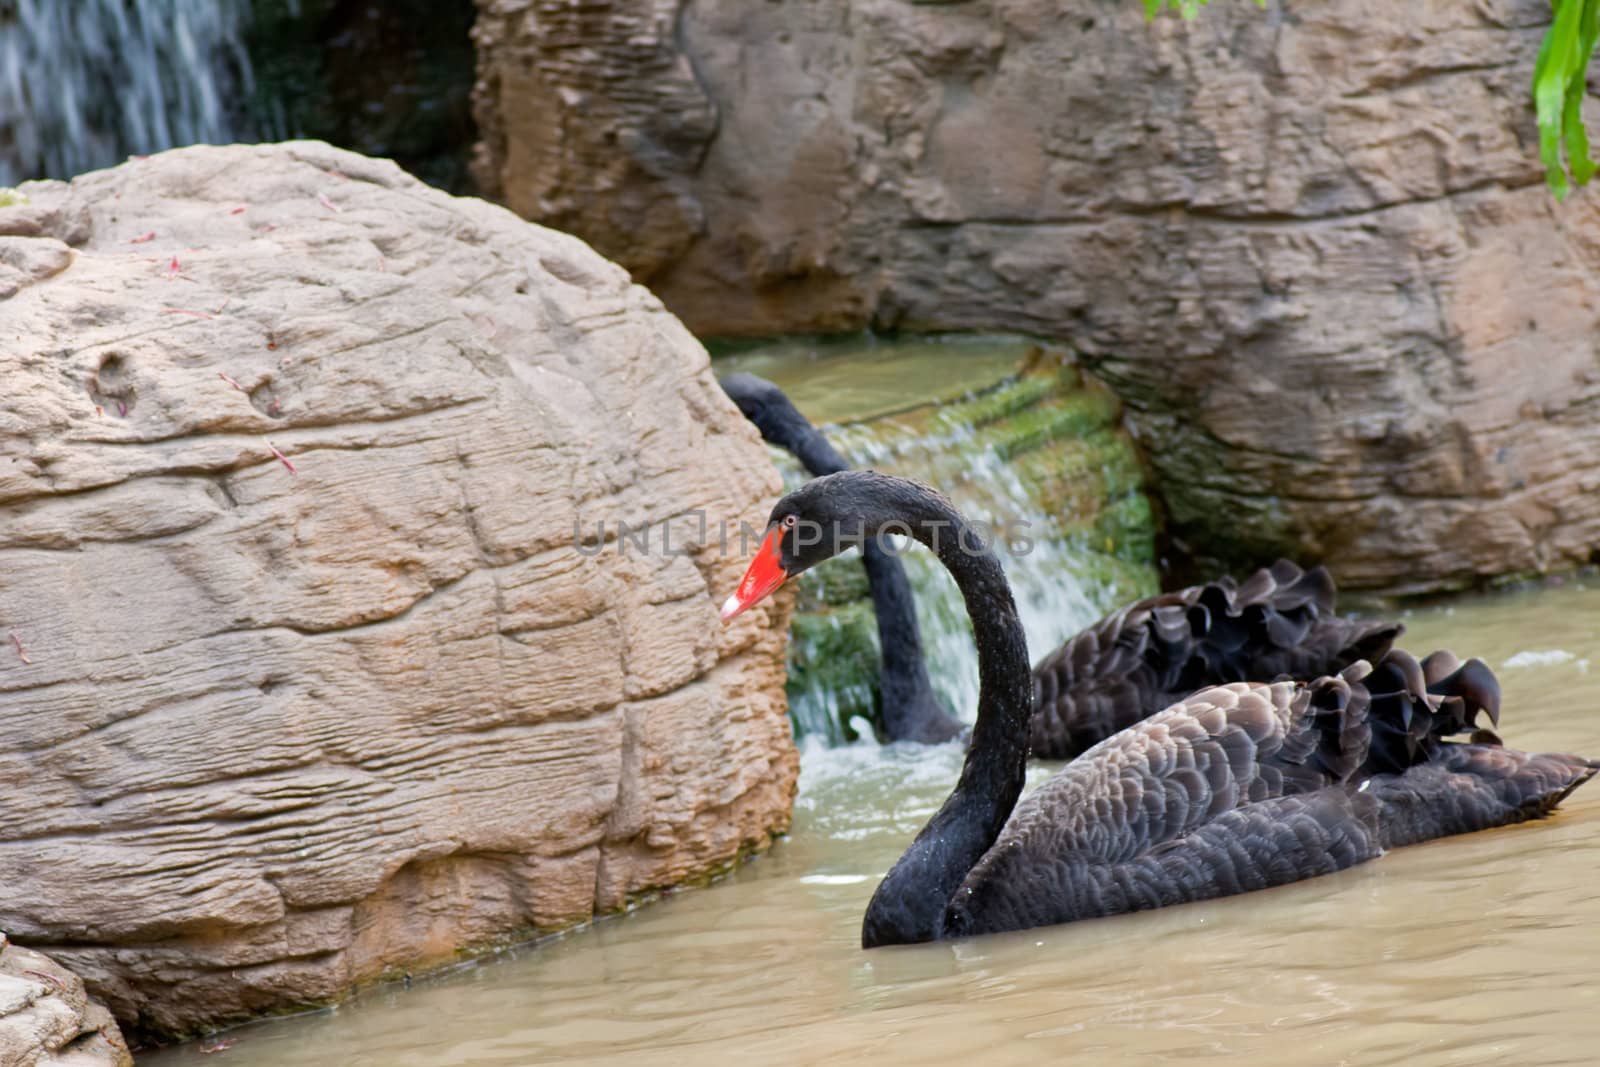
(825, 517)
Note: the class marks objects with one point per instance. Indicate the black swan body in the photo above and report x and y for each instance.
(1238, 787)
(910, 709)
(1280, 621)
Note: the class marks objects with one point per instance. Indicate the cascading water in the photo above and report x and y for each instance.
(1060, 584)
(85, 83)
(1032, 452)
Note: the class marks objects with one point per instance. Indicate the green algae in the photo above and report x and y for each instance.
(833, 666)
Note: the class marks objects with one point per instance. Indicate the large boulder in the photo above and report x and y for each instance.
(322, 656)
(1310, 247)
(48, 1020)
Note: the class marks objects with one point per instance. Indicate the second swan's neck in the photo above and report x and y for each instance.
(781, 423)
(909, 904)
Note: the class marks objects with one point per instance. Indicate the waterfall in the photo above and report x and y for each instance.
(85, 83)
(1061, 583)
(1016, 441)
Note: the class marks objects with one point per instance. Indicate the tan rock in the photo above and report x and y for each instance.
(266, 734)
(48, 1020)
(1310, 246)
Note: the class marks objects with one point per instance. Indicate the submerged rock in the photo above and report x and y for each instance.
(48, 1020)
(322, 656)
(1311, 248)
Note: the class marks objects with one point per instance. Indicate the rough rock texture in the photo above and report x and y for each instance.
(267, 733)
(48, 1020)
(1309, 246)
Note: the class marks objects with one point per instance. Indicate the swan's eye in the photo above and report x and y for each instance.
(788, 522)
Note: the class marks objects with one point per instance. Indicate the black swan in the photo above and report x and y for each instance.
(909, 708)
(1280, 621)
(1239, 787)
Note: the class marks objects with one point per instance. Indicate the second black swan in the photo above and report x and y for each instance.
(1143, 657)
(1238, 787)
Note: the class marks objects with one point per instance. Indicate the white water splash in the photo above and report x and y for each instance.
(1546, 658)
(85, 83)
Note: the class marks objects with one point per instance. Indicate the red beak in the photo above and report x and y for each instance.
(765, 574)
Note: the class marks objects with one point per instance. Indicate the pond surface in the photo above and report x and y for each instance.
(860, 377)
(1470, 950)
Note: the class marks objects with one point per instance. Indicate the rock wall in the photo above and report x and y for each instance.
(1309, 246)
(48, 1020)
(321, 655)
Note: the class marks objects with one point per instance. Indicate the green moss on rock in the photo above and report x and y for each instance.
(833, 668)
(839, 581)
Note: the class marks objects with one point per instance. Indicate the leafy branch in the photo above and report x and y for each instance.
(1558, 85)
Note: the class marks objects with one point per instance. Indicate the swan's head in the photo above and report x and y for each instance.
(768, 409)
(821, 519)
(754, 396)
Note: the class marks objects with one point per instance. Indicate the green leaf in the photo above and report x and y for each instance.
(1574, 136)
(1577, 140)
(1559, 89)
(1187, 8)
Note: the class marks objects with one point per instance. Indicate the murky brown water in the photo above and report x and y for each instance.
(1476, 949)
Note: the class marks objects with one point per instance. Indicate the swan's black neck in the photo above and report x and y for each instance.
(781, 423)
(911, 711)
(909, 905)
